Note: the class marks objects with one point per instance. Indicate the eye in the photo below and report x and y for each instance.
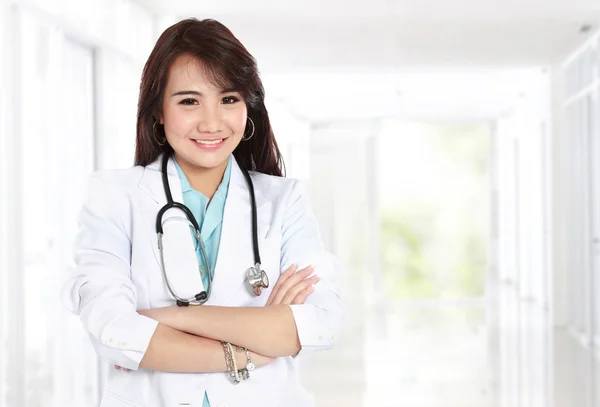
(229, 100)
(188, 102)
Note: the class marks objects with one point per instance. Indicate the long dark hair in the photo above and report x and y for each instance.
(229, 65)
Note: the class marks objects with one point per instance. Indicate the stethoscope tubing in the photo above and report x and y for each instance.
(202, 296)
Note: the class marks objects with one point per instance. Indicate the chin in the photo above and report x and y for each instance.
(209, 160)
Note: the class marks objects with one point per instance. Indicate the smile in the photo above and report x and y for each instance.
(209, 145)
(209, 142)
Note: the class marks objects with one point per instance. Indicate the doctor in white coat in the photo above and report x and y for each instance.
(201, 107)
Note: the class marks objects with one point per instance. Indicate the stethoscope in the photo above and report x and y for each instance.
(257, 278)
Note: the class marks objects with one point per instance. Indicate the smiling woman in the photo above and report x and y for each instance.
(205, 156)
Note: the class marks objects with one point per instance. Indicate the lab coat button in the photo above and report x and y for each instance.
(122, 344)
(320, 338)
(109, 341)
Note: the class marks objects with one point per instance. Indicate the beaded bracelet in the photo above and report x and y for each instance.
(230, 362)
(235, 374)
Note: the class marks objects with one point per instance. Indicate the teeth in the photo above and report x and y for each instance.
(209, 141)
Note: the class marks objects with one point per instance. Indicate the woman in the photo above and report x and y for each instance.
(201, 113)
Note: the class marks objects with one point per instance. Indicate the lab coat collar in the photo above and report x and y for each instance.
(237, 185)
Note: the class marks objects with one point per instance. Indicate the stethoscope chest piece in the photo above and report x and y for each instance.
(257, 278)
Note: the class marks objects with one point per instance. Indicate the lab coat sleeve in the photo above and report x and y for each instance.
(100, 289)
(319, 319)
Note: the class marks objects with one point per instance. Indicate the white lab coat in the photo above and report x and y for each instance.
(118, 273)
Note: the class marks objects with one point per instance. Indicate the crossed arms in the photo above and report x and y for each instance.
(102, 293)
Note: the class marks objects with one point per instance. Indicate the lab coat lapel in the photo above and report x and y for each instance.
(236, 253)
(179, 252)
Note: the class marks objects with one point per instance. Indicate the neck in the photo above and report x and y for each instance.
(204, 180)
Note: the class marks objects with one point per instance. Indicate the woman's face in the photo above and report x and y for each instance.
(203, 123)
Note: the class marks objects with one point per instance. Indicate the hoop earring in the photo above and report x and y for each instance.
(244, 138)
(159, 142)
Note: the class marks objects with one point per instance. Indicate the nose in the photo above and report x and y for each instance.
(209, 119)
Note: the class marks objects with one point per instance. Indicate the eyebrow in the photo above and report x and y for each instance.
(194, 92)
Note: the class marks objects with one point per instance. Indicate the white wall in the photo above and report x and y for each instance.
(9, 243)
(68, 88)
(119, 25)
(522, 273)
(293, 138)
(343, 190)
(576, 221)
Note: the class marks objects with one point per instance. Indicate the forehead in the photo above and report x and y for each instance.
(189, 72)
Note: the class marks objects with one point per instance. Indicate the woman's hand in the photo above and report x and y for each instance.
(293, 287)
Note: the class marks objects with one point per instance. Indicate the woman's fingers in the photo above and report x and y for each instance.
(283, 277)
(124, 369)
(291, 282)
(301, 286)
(302, 295)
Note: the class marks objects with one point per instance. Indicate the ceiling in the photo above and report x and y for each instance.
(311, 33)
(449, 95)
(342, 43)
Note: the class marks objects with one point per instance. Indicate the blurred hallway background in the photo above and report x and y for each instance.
(452, 154)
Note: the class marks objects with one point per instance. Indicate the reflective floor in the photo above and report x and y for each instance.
(430, 354)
